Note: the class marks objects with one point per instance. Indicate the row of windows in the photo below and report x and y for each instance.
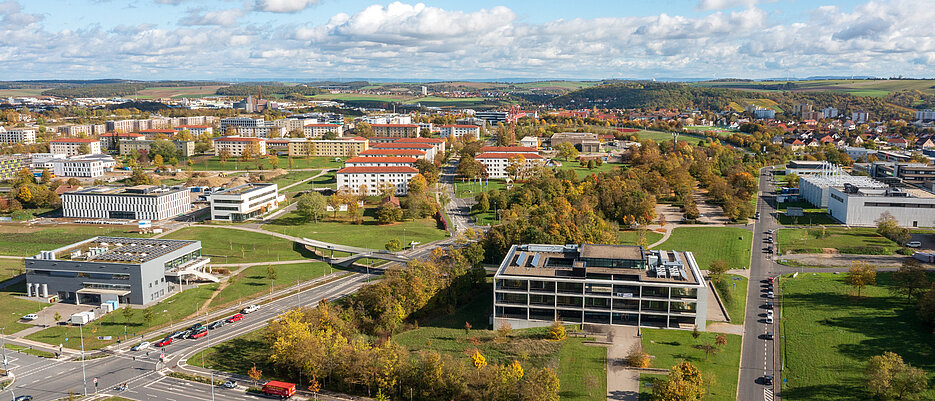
(906, 205)
(72, 274)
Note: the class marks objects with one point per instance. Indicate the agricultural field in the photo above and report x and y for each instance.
(451, 101)
(857, 87)
(33, 92)
(350, 97)
(567, 85)
(176, 92)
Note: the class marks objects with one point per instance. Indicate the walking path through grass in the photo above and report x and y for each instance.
(669, 347)
(233, 246)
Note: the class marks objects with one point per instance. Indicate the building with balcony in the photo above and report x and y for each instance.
(135, 271)
(17, 135)
(536, 285)
(74, 146)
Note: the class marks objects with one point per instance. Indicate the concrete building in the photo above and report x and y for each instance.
(362, 161)
(197, 130)
(530, 142)
(77, 168)
(111, 140)
(509, 149)
(912, 207)
(430, 150)
(497, 163)
(343, 147)
(860, 117)
(471, 132)
(390, 118)
(244, 202)
(829, 112)
(492, 117)
(319, 130)
(418, 154)
(815, 188)
(238, 122)
(236, 145)
(142, 202)
(290, 124)
(901, 173)
(536, 285)
(437, 143)
(583, 141)
(396, 130)
(158, 133)
(17, 135)
(11, 165)
(186, 148)
(376, 178)
(925, 115)
(127, 125)
(73, 146)
(134, 271)
(262, 131)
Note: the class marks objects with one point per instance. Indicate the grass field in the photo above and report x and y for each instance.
(350, 97)
(292, 178)
(712, 243)
(13, 308)
(158, 92)
(582, 172)
(235, 246)
(857, 87)
(631, 237)
(21, 92)
(10, 268)
(22, 240)
(451, 101)
(846, 240)
(669, 347)
(830, 334)
(467, 189)
(255, 281)
(328, 180)
(212, 163)
(735, 301)
(366, 235)
(173, 309)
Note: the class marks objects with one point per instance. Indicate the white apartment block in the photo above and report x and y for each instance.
(385, 119)
(83, 129)
(460, 131)
(127, 125)
(18, 135)
(196, 130)
(319, 130)
(497, 163)
(927, 114)
(77, 168)
(262, 131)
(418, 154)
(289, 124)
(375, 178)
(238, 122)
(437, 143)
(142, 202)
(829, 112)
(244, 202)
(430, 150)
(71, 146)
(362, 161)
(396, 130)
(236, 145)
(860, 117)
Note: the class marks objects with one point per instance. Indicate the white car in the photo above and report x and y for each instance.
(250, 308)
(769, 319)
(142, 345)
(31, 316)
(769, 295)
(914, 244)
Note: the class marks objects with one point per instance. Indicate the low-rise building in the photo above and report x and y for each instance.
(342, 147)
(142, 202)
(418, 154)
(238, 122)
(530, 142)
(319, 130)
(77, 168)
(236, 145)
(815, 188)
(396, 130)
(244, 202)
(134, 271)
(17, 135)
(197, 130)
(362, 161)
(186, 148)
(583, 141)
(497, 164)
(375, 178)
(437, 143)
(111, 140)
(853, 206)
(11, 165)
(74, 146)
(536, 285)
(429, 150)
(460, 131)
(157, 133)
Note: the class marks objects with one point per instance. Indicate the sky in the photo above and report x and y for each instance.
(477, 39)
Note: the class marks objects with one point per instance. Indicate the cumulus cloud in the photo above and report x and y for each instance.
(220, 17)
(284, 6)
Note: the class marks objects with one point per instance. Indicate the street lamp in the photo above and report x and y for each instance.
(83, 374)
(3, 338)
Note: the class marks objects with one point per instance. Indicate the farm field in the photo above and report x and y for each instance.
(361, 97)
(857, 87)
(159, 92)
(21, 92)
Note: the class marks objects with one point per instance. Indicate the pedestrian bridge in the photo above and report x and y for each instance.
(356, 252)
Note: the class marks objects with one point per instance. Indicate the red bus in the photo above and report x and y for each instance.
(282, 389)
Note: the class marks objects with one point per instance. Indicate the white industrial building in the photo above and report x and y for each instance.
(142, 202)
(855, 206)
(815, 188)
(244, 202)
(536, 285)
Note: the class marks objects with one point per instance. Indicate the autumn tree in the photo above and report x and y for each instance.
(255, 374)
(888, 226)
(312, 206)
(516, 166)
(888, 377)
(860, 275)
(683, 383)
(566, 151)
(470, 168)
(557, 331)
(910, 277)
(718, 268)
(638, 358)
(363, 129)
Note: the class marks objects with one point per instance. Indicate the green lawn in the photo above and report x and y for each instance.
(734, 297)
(171, 310)
(857, 240)
(630, 237)
(254, 281)
(830, 334)
(212, 163)
(669, 347)
(582, 172)
(20, 240)
(292, 178)
(235, 246)
(712, 243)
(10, 268)
(328, 180)
(467, 189)
(366, 235)
(13, 308)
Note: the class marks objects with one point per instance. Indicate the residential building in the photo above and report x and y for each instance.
(156, 133)
(536, 285)
(497, 163)
(362, 161)
(236, 145)
(197, 130)
(111, 140)
(134, 271)
(584, 141)
(509, 149)
(291, 124)
(244, 202)
(142, 202)
(82, 130)
(396, 130)
(418, 154)
(275, 145)
(829, 112)
(319, 130)
(342, 147)
(437, 143)
(77, 168)
(11, 165)
(925, 115)
(376, 178)
(860, 117)
(430, 150)
(798, 109)
(74, 146)
(238, 122)
(385, 119)
(812, 115)
(853, 206)
(127, 125)
(186, 148)
(17, 135)
(262, 131)
(764, 114)
(471, 132)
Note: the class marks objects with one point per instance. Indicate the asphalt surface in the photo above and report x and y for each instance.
(760, 356)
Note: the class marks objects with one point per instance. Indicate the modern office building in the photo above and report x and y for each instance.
(815, 188)
(142, 202)
(17, 135)
(73, 146)
(237, 122)
(128, 270)
(244, 202)
(11, 165)
(492, 117)
(536, 285)
(854, 206)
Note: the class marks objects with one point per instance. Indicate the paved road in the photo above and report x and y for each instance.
(759, 355)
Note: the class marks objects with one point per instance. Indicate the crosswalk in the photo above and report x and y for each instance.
(768, 394)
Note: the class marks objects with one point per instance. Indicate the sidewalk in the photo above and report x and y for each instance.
(622, 383)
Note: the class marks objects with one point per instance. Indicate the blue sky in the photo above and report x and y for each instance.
(222, 39)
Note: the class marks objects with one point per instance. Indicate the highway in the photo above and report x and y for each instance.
(760, 356)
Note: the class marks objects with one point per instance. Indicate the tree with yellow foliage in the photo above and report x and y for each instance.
(479, 360)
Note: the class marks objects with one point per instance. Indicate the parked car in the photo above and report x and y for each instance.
(914, 244)
(769, 319)
(164, 342)
(769, 280)
(236, 318)
(769, 305)
(215, 325)
(196, 326)
(251, 308)
(142, 345)
(769, 295)
(229, 384)
(199, 333)
(31, 316)
(769, 335)
(756, 215)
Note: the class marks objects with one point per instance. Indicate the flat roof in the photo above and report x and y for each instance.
(139, 190)
(598, 251)
(245, 188)
(120, 249)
